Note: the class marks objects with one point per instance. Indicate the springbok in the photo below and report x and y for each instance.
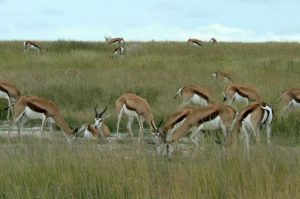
(174, 121)
(134, 106)
(34, 107)
(252, 119)
(32, 45)
(10, 93)
(222, 77)
(118, 51)
(195, 95)
(212, 41)
(205, 118)
(118, 40)
(240, 93)
(291, 100)
(98, 131)
(194, 42)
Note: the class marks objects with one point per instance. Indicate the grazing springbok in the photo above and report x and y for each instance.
(98, 131)
(10, 93)
(118, 40)
(252, 119)
(195, 95)
(134, 106)
(34, 107)
(240, 93)
(212, 41)
(118, 51)
(174, 122)
(194, 42)
(205, 118)
(32, 45)
(222, 77)
(291, 100)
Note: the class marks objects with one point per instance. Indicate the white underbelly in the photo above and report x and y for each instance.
(239, 98)
(87, 134)
(196, 99)
(128, 112)
(36, 115)
(295, 104)
(3, 95)
(212, 124)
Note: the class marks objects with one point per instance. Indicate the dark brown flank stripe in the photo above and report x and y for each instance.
(3, 89)
(200, 94)
(209, 117)
(247, 112)
(297, 99)
(182, 117)
(31, 43)
(129, 107)
(241, 93)
(36, 108)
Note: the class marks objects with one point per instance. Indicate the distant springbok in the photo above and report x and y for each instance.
(32, 45)
(252, 119)
(118, 40)
(194, 42)
(135, 106)
(118, 51)
(222, 78)
(291, 101)
(195, 95)
(212, 41)
(10, 93)
(98, 131)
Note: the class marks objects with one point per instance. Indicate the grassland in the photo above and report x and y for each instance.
(79, 75)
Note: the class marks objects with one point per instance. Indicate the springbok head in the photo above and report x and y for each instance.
(107, 38)
(99, 116)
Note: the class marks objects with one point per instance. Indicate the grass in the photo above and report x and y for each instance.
(79, 75)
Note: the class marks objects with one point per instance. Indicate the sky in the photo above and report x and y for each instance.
(159, 20)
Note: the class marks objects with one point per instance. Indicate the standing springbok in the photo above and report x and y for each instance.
(195, 95)
(213, 41)
(34, 107)
(32, 45)
(252, 119)
(194, 42)
(222, 77)
(118, 40)
(10, 93)
(291, 100)
(135, 106)
(98, 131)
(240, 93)
(118, 51)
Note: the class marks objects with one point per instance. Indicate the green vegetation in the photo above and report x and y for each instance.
(79, 75)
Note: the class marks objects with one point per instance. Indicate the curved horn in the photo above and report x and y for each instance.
(160, 123)
(100, 114)
(96, 111)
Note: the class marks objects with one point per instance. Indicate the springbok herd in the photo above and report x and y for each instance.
(206, 115)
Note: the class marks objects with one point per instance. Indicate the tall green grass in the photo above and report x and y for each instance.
(79, 75)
